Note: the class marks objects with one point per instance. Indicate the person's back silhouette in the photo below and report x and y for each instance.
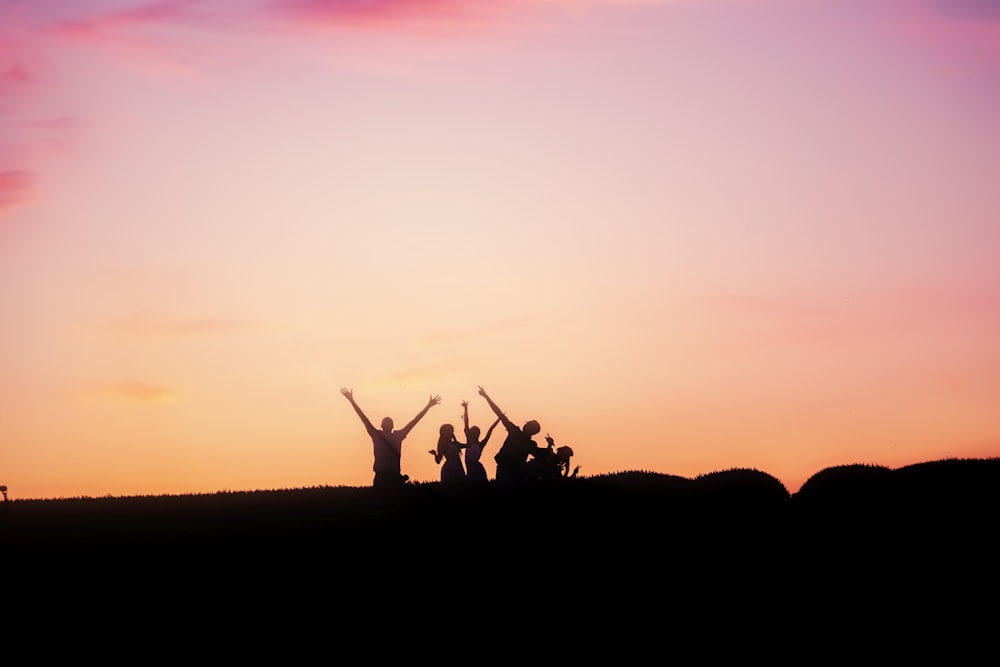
(517, 447)
(388, 443)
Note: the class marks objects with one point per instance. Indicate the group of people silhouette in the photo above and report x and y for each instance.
(519, 458)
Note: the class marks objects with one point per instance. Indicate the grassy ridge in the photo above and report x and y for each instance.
(633, 560)
(627, 506)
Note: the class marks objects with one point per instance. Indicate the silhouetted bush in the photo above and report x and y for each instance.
(741, 485)
(847, 485)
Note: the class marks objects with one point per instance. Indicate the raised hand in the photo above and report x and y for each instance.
(348, 393)
(482, 392)
(434, 400)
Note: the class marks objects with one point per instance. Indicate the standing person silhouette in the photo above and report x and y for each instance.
(387, 443)
(449, 449)
(474, 470)
(516, 448)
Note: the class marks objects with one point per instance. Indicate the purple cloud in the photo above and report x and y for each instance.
(964, 35)
(970, 10)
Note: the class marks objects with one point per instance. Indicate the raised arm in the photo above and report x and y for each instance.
(499, 413)
(489, 432)
(553, 450)
(465, 418)
(431, 402)
(349, 395)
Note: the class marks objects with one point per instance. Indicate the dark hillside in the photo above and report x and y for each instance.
(849, 521)
(597, 559)
(631, 503)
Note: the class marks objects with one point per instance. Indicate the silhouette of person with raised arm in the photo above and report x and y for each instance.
(387, 443)
(516, 448)
(563, 456)
(550, 462)
(474, 470)
(450, 450)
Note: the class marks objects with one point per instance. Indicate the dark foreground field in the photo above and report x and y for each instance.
(863, 544)
(628, 517)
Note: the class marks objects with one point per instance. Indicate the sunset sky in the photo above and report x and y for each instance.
(684, 235)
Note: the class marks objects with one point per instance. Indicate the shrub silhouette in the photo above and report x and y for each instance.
(949, 481)
(741, 484)
(847, 485)
(641, 482)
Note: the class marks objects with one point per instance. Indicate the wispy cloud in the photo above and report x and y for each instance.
(441, 15)
(129, 14)
(444, 366)
(15, 187)
(21, 57)
(140, 327)
(435, 19)
(429, 371)
(507, 324)
(884, 317)
(23, 131)
(13, 74)
(140, 392)
(369, 11)
(162, 39)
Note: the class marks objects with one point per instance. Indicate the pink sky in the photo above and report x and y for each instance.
(685, 236)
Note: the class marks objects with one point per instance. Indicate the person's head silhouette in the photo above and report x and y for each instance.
(446, 438)
(387, 425)
(531, 427)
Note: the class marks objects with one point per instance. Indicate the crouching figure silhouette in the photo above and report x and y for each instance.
(551, 462)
